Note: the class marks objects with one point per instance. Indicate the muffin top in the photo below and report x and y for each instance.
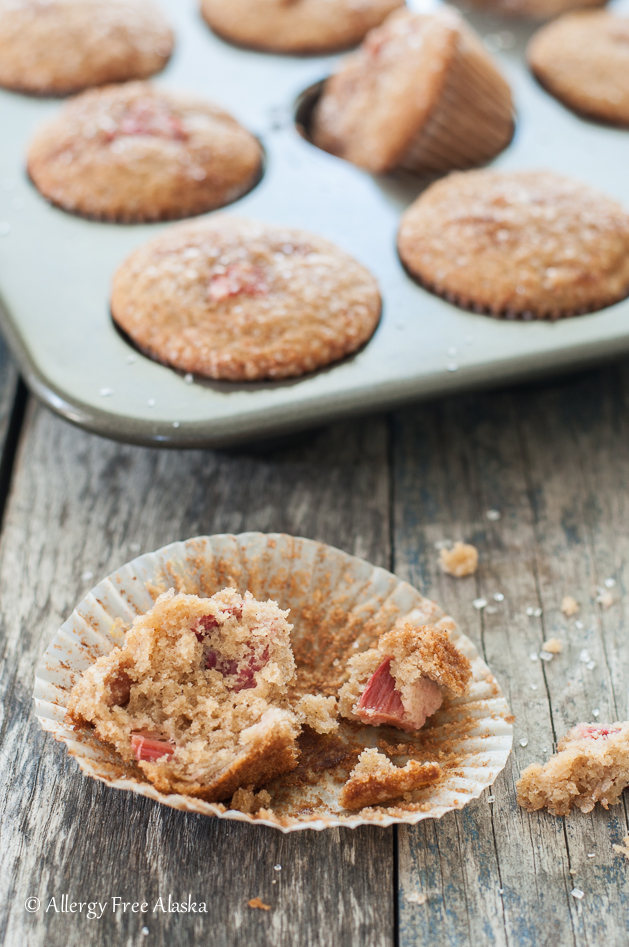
(55, 47)
(296, 26)
(241, 300)
(534, 9)
(583, 59)
(383, 94)
(525, 243)
(132, 152)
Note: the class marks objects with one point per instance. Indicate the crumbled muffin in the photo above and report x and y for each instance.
(197, 694)
(375, 780)
(461, 560)
(317, 712)
(591, 765)
(404, 679)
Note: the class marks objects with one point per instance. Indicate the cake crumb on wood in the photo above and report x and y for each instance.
(622, 849)
(552, 646)
(258, 903)
(569, 606)
(461, 560)
(591, 765)
(375, 780)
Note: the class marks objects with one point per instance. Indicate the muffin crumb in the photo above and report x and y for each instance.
(569, 606)
(318, 712)
(245, 800)
(552, 646)
(591, 765)
(259, 904)
(375, 779)
(461, 560)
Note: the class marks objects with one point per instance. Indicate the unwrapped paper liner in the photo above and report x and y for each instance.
(325, 589)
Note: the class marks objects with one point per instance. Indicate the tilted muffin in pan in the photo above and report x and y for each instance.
(421, 93)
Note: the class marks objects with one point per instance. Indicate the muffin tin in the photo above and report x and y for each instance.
(56, 269)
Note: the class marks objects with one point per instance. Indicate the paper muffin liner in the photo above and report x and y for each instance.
(473, 119)
(339, 605)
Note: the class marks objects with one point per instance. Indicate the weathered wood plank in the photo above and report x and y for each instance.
(552, 460)
(80, 504)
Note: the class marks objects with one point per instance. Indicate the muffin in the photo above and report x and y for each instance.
(196, 696)
(520, 244)
(240, 300)
(421, 93)
(55, 47)
(591, 765)
(583, 60)
(296, 26)
(135, 153)
(375, 780)
(404, 679)
(533, 9)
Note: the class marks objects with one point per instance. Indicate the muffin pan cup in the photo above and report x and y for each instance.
(329, 593)
(56, 269)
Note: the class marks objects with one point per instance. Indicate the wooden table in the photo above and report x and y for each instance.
(553, 458)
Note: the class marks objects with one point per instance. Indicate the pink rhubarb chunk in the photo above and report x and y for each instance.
(149, 749)
(381, 703)
(238, 278)
(594, 731)
(150, 118)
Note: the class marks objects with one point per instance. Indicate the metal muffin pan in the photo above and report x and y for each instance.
(56, 269)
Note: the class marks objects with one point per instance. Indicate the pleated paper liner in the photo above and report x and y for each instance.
(473, 119)
(339, 604)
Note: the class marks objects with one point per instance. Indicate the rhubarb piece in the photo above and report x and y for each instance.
(591, 765)
(404, 679)
(375, 780)
(317, 712)
(197, 696)
(461, 560)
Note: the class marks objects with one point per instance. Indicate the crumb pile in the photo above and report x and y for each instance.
(375, 780)
(404, 679)
(137, 153)
(461, 560)
(55, 47)
(197, 695)
(591, 765)
(421, 93)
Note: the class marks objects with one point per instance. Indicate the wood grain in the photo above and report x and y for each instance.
(554, 460)
(80, 504)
